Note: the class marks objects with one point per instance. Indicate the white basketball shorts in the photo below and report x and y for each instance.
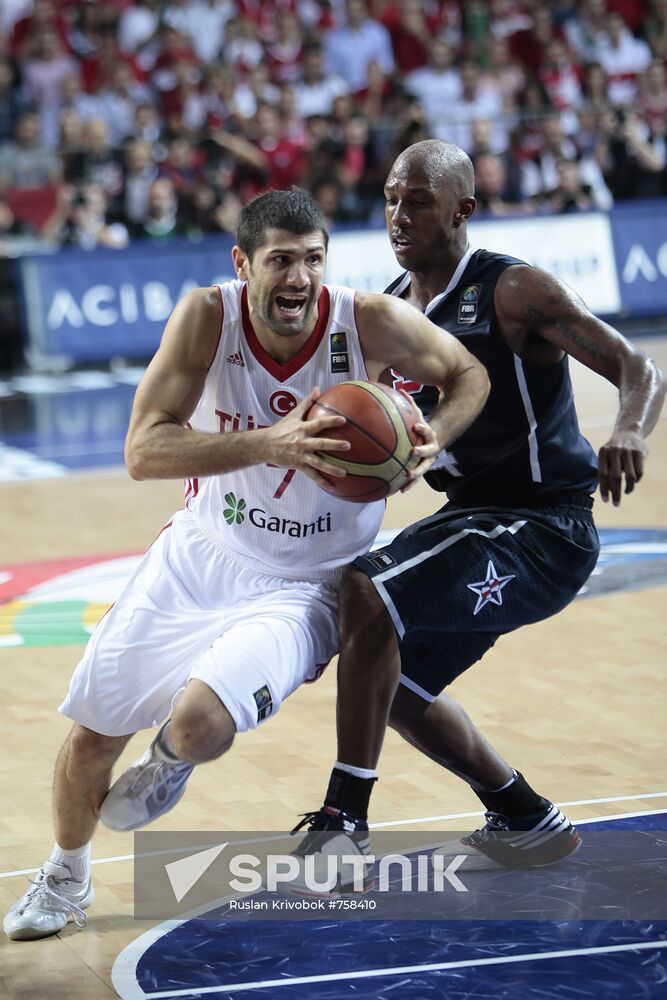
(192, 610)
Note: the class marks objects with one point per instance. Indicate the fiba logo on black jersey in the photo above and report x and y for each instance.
(468, 304)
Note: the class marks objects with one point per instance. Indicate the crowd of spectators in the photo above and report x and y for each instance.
(121, 120)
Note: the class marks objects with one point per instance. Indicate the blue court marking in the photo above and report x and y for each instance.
(416, 960)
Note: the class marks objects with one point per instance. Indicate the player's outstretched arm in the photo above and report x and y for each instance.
(159, 445)
(394, 334)
(531, 302)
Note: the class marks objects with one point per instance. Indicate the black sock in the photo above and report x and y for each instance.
(349, 793)
(515, 801)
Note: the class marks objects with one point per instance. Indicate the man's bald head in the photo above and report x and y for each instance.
(439, 162)
(429, 197)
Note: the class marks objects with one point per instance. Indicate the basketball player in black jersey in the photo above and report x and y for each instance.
(515, 542)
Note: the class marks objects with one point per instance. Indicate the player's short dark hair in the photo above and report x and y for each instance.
(294, 210)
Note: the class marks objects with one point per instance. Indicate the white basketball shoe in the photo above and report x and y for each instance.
(147, 789)
(51, 900)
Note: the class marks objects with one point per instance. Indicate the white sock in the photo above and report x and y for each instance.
(358, 772)
(77, 860)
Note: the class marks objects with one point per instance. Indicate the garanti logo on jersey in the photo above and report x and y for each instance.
(468, 304)
(234, 511)
(340, 359)
(237, 509)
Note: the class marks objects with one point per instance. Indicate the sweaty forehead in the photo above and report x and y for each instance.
(412, 176)
(283, 239)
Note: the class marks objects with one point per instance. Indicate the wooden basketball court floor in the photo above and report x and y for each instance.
(577, 702)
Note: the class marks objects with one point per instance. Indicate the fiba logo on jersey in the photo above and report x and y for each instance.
(468, 304)
(340, 359)
(281, 402)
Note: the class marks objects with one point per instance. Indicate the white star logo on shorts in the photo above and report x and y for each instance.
(489, 591)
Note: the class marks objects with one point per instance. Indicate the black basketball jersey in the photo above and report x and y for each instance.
(526, 442)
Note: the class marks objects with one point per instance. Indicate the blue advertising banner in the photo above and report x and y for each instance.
(91, 306)
(640, 244)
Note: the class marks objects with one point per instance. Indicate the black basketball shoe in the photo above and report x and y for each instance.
(326, 854)
(537, 840)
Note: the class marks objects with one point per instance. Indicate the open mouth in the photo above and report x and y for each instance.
(400, 243)
(291, 305)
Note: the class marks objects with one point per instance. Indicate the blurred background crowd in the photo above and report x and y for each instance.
(121, 120)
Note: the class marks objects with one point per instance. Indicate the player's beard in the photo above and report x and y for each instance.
(268, 312)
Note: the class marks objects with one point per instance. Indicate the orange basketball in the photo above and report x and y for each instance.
(380, 428)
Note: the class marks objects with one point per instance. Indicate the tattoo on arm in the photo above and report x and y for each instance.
(535, 317)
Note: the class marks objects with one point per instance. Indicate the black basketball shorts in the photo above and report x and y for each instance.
(457, 580)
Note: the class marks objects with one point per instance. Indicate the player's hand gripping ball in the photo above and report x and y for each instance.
(380, 429)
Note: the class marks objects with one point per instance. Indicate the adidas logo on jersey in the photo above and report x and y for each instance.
(236, 359)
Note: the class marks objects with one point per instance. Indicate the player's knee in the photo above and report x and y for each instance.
(357, 586)
(196, 741)
(90, 750)
(360, 603)
(201, 729)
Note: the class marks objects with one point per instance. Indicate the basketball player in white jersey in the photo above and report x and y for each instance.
(235, 605)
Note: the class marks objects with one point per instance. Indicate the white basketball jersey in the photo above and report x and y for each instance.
(277, 519)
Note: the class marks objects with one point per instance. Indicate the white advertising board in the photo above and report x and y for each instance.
(576, 248)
